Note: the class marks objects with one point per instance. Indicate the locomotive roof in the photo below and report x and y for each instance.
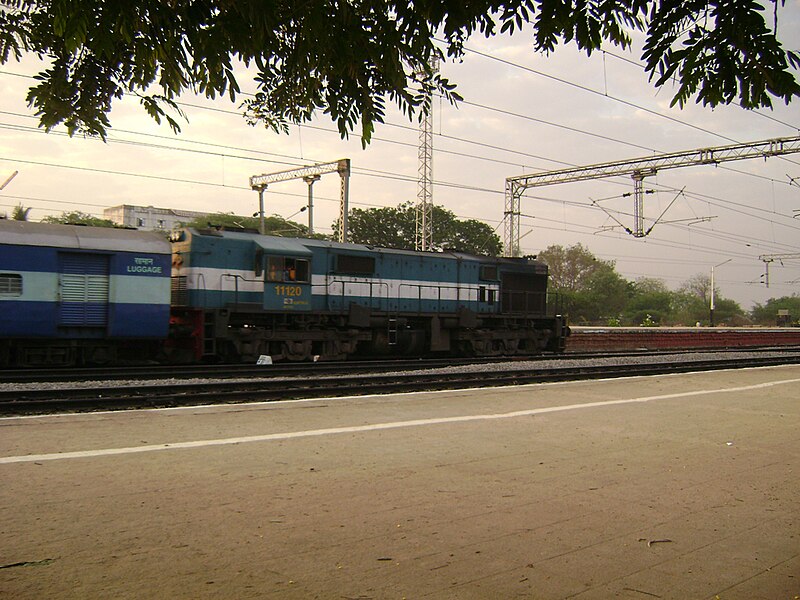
(24, 233)
(301, 246)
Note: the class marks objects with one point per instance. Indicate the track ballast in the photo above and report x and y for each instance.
(106, 395)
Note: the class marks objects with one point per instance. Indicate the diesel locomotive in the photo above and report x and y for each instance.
(83, 295)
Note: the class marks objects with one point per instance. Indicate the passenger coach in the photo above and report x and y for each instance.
(77, 295)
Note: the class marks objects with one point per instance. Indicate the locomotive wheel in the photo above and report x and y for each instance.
(297, 350)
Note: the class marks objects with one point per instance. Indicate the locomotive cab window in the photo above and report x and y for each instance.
(286, 268)
(10, 284)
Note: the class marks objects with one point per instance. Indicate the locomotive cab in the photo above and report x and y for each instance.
(287, 281)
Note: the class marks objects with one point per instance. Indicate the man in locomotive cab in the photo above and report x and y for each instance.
(273, 273)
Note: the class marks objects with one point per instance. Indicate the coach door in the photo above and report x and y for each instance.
(83, 290)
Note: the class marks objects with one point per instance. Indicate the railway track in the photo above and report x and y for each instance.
(231, 371)
(108, 396)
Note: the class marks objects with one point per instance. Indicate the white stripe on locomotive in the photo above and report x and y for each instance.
(229, 280)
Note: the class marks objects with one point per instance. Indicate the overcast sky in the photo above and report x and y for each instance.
(523, 113)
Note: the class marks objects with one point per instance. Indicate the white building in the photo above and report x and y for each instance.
(149, 217)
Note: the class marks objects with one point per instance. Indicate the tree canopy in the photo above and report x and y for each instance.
(348, 59)
(273, 224)
(591, 291)
(769, 312)
(590, 288)
(76, 217)
(396, 228)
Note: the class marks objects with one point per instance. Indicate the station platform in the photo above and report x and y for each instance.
(673, 487)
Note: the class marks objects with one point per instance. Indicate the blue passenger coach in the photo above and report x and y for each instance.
(244, 295)
(74, 294)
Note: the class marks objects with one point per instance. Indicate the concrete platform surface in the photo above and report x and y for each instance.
(676, 487)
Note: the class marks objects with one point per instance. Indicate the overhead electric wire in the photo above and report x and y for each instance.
(367, 172)
(614, 98)
(375, 173)
(409, 178)
(724, 236)
(441, 184)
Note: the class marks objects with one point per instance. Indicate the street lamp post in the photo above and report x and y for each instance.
(310, 180)
(711, 304)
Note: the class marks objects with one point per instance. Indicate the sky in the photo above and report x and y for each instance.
(523, 113)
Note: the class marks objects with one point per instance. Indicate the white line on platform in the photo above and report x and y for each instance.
(378, 426)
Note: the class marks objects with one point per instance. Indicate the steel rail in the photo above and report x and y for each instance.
(192, 394)
(229, 371)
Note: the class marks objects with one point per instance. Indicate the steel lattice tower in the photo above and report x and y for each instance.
(424, 210)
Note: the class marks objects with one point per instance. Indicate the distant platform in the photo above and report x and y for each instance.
(665, 338)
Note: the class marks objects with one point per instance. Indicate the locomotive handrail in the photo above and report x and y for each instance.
(372, 296)
(555, 303)
(438, 288)
(202, 278)
(236, 277)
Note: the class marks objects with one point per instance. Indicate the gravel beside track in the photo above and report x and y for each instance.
(492, 367)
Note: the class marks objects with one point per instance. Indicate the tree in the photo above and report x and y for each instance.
(570, 268)
(591, 290)
(698, 286)
(273, 225)
(650, 300)
(77, 217)
(396, 228)
(20, 213)
(767, 314)
(606, 295)
(693, 303)
(387, 227)
(349, 58)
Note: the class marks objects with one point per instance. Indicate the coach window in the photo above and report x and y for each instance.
(10, 284)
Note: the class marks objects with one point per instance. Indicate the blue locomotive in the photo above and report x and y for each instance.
(78, 295)
(238, 295)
